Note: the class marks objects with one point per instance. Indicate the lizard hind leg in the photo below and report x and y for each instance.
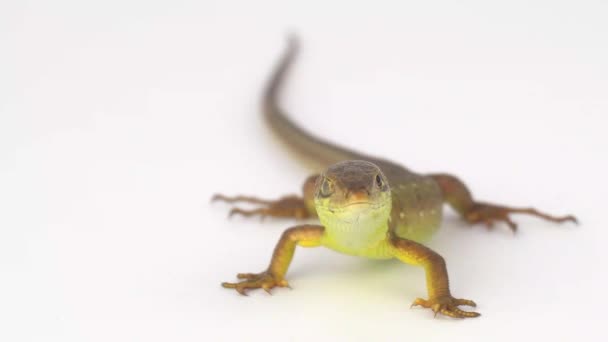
(284, 207)
(459, 197)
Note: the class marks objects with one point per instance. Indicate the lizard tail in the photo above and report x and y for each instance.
(302, 142)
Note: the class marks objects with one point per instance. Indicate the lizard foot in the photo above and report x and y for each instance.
(489, 213)
(447, 305)
(264, 280)
(288, 206)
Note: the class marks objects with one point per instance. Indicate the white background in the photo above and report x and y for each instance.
(120, 119)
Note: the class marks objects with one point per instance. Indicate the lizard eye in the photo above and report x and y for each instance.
(379, 181)
(326, 189)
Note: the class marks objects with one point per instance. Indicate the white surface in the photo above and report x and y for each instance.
(119, 119)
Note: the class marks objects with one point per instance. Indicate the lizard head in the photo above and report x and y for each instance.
(353, 195)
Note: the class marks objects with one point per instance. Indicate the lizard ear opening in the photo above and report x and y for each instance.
(326, 188)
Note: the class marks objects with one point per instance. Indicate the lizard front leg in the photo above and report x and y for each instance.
(274, 275)
(459, 197)
(440, 299)
(286, 206)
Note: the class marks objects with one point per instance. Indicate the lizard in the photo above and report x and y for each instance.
(366, 206)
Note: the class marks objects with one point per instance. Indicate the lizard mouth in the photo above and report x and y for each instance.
(357, 206)
(358, 203)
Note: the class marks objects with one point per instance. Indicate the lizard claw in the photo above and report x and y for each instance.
(490, 213)
(264, 280)
(287, 206)
(448, 306)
